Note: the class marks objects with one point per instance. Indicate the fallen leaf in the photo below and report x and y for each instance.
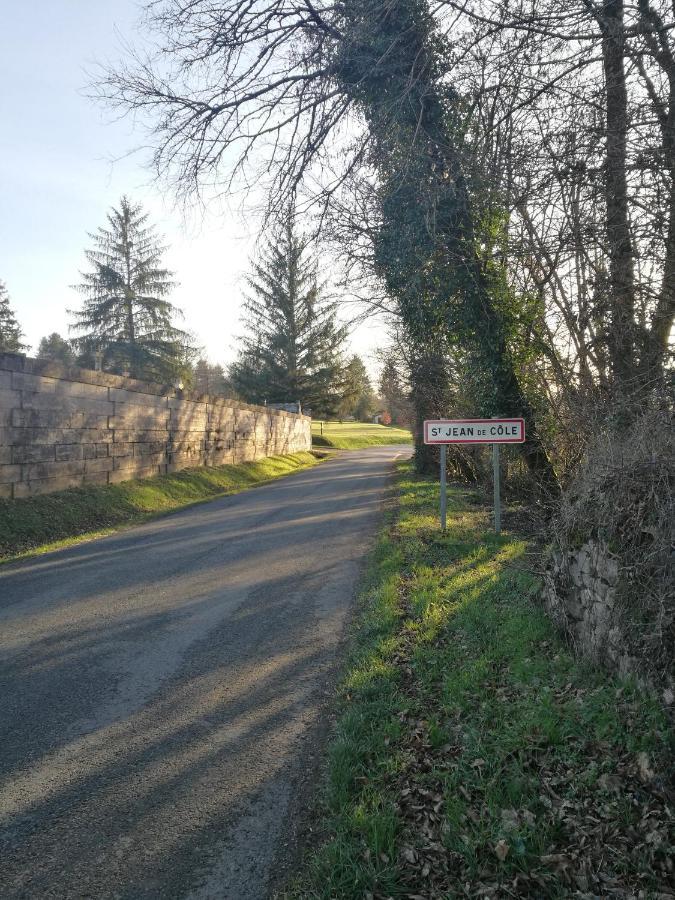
(644, 769)
(501, 850)
(509, 818)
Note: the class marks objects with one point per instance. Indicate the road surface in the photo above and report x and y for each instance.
(162, 691)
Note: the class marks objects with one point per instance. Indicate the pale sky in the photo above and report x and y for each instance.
(64, 161)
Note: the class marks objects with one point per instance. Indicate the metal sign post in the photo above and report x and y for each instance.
(474, 431)
(444, 486)
(497, 497)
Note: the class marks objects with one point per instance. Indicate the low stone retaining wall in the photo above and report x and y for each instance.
(63, 427)
(580, 596)
(585, 594)
(610, 579)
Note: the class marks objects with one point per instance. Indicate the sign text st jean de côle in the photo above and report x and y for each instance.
(473, 431)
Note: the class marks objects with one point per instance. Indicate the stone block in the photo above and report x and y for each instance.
(80, 389)
(220, 458)
(13, 362)
(133, 435)
(121, 451)
(221, 413)
(28, 437)
(151, 458)
(94, 451)
(176, 467)
(134, 463)
(193, 446)
(10, 474)
(6, 491)
(104, 464)
(150, 449)
(191, 421)
(46, 485)
(130, 472)
(9, 401)
(37, 453)
(66, 405)
(186, 460)
(135, 418)
(33, 383)
(50, 418)
(43, 470)
(5, 455)
(95, 478)
(179, 406)
(139, 392)
(133, 400)
(68, 452)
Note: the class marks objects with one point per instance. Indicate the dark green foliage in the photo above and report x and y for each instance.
(293, 346)
(10, 332)
(358, 398)
(125, 318)
(394, 391)
(211, 379)
(56, 348)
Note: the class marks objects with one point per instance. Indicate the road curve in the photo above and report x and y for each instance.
(161, 690)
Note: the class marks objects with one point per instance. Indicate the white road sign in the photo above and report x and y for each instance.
(474, 431)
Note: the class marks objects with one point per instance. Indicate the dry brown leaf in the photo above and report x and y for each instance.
(501, 850)
(644, 768)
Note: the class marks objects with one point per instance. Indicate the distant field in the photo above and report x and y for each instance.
(356, 435)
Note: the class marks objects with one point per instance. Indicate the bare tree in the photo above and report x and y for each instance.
(573, 109)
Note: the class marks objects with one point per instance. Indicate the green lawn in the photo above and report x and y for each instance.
(356, 435)
(474, 756)
(48, 521)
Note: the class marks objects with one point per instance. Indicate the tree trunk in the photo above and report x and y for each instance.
(431, 398)
(425, 248)
(620, 246)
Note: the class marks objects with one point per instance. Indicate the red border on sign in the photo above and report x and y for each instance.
(519, 440)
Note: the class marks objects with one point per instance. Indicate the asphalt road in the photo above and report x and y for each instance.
(162, 691)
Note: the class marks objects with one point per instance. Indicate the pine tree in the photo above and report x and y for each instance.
(358, 399)
(211, 379)
(125, 318)
(393, 391)
(10, 332)
(57, 349)
(293, 345)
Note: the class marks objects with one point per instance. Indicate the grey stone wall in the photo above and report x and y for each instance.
(63, 427)
(583, 595)
(580, 589)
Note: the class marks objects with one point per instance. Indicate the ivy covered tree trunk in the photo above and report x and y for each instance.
(430, 396)
(426, 247)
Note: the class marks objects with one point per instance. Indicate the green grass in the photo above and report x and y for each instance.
(356, 435)
(467, 731)
(49, 521)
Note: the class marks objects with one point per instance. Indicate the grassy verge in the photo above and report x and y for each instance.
(356, 435)
(474, 755)
(45, 522)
